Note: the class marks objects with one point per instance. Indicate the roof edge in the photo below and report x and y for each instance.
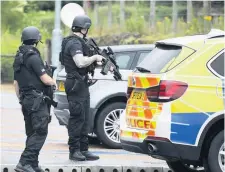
(175, 44)
(187, 40)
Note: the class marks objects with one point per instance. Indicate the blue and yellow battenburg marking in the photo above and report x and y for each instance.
(181, 120)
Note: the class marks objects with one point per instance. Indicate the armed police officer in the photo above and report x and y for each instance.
(30, 80)
(77, 58)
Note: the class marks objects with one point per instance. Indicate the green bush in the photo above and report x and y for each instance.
(10, 42)
(12, 14)
(136, 24)
(7, 69)
(44, 20)
(135, 31)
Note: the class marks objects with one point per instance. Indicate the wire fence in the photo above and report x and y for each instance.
(7, 55)
(133, 15)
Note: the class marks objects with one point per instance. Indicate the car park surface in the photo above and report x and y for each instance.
(54, 155)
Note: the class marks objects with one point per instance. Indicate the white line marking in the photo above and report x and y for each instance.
(193, 107)
(193, 58)
(178, 123)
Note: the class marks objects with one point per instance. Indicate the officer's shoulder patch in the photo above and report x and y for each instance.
(30, 52)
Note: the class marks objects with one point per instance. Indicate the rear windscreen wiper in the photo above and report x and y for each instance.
(140, 69)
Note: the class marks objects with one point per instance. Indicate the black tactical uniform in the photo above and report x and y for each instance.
(76, 87)
(28, 67)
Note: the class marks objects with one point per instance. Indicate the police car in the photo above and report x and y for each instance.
(176, 101)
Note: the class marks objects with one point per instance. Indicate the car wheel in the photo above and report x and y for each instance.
(215, 159)
(108, 125)
(178, 166)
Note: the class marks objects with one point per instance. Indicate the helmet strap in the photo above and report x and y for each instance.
(85, 34)
(78, 29)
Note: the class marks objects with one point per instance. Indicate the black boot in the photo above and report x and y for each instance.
(89, 155)
(77, 156)
(24, 168)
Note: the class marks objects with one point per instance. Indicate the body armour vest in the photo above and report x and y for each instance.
(24, 75)
(67, 60)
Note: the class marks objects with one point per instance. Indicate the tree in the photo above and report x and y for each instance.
(174, 16)
(122, 12)
(189, 11)
(12, 14)
(109, 13)
(45, 5)
(96, 13)
(206, 12)
(152, 14)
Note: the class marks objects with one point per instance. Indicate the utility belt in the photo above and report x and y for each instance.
(76, 83)
(85, 78)
(38, 95)
(76, 75)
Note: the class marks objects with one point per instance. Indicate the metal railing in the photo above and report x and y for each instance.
(7, 55)
(98, 168)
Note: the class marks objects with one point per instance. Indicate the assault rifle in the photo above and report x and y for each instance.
(50, 89)
(109, 62)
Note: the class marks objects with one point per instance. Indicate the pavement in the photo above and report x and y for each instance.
(54, 153)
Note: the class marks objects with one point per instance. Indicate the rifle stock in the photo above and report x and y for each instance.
(50, 89)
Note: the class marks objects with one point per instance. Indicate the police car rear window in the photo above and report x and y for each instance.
(159, 57)
(217, 65)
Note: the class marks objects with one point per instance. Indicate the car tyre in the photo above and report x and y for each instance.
(178, 166)
(212, 160)
(101, 124)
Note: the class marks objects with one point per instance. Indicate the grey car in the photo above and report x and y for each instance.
(108, 97)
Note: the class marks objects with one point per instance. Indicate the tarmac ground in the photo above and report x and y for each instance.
(54, 154)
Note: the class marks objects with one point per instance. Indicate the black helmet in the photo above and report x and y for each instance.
(31, 33)
(82, 22)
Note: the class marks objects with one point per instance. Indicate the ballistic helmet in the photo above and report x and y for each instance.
(31, 33)
(81, 22)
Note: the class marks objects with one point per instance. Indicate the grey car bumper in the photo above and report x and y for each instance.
(62, 111)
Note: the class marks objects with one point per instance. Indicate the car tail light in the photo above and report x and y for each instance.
(166, 91)
(129, 91)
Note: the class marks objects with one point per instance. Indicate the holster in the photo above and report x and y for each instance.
(50, 101)
(39, 98)
(49, 91)
(78, 80)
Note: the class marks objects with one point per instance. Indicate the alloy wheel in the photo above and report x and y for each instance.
(112, 125)
(221, 157)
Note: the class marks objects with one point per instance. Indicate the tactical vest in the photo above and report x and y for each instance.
(26, 77)
(67, 60)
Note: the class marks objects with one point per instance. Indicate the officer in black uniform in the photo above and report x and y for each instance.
(30, 80)
(77, 58)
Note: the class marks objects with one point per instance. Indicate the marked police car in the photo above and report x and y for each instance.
(176, 101)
